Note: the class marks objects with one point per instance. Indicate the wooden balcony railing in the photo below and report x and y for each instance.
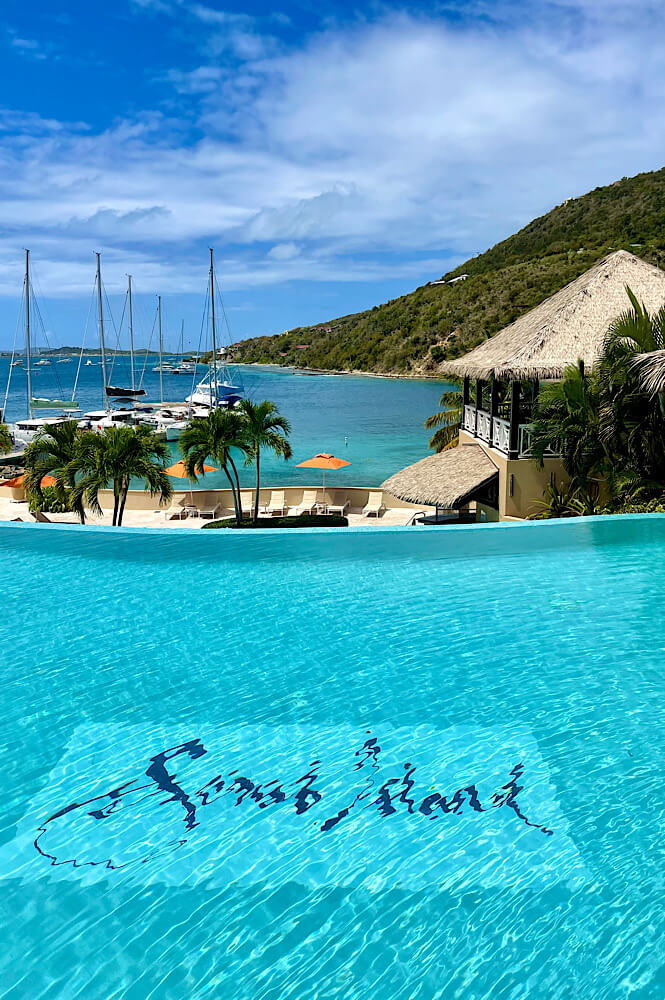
(496, 432)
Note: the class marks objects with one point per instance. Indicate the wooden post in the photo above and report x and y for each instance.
(479, 404)
(513, 451)
(466, 396)
(494, 404)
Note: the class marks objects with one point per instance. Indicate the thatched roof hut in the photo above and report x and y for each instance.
(571, 325)
(446, 480)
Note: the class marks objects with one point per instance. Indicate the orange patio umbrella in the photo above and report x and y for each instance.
(178, 472)
(18, 481)
(323, 461)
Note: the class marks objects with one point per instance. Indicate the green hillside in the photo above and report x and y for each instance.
(414, 333)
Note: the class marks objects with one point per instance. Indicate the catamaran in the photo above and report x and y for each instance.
(215, 390)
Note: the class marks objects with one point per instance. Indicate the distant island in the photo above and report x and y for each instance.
(87, 352)
(413, 334)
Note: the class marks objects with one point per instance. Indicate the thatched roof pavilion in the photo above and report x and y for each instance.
(446, 480)
(571, 325)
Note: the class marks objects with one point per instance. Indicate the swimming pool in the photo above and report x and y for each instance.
(390, 763)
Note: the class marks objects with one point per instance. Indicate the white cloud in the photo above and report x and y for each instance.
(28, 47)
(377, 142)
(202, 80)
(283, 251)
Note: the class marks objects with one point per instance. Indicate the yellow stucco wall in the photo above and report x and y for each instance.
(521, 481)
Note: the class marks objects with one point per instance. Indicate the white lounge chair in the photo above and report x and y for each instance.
(374, 506)
(247, 503)
(277, 503)
(211, 512)
(307, 504)
(38, 515)
(177, 511)
(339, 503)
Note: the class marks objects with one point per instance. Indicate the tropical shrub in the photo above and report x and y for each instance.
(49, 500)
(632, 419)
(567, 420)
(656, 506)
(5, 439)
(557, 502)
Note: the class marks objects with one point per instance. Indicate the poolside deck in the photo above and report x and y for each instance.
(135, 517)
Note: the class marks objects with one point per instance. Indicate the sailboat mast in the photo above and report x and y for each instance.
(214, 332)
(131, 328)
(100, 310)
(161, 350)
(27, 330)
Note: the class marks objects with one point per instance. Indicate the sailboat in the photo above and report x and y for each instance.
(215, 390)
(99, 419)
(167, 422)
(183, 367)
(127, 392)
(24, 431)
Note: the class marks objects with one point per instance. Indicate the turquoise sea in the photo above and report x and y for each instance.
(374, 423)
(403, 764)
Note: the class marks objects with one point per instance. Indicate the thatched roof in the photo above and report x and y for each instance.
(572, 324)
(444, 480)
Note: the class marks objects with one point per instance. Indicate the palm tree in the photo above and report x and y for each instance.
(264, 428)
(109, 459)
(448, 421)
(6, 443)
(567, 420)
(215, 436)
(51, 453)
(632, 420)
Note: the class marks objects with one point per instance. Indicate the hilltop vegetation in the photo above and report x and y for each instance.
(415, 332)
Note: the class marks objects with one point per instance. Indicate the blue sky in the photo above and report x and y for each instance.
(334, 156)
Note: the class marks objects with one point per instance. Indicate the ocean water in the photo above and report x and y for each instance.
(374, 423)
(366, 765)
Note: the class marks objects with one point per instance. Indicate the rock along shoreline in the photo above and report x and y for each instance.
(341, 371)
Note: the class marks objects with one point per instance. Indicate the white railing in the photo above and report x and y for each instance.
(496, 432)
(524, 444)
(501, 435)
(484, 426)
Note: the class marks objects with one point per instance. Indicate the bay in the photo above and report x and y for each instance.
(376, 424)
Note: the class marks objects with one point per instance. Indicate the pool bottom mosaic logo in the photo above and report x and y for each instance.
(374, 808)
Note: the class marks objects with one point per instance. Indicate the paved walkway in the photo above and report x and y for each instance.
(10, 510)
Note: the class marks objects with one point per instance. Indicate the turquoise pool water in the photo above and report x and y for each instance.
(374, 764)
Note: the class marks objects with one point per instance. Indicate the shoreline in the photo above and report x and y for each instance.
(340, 371)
